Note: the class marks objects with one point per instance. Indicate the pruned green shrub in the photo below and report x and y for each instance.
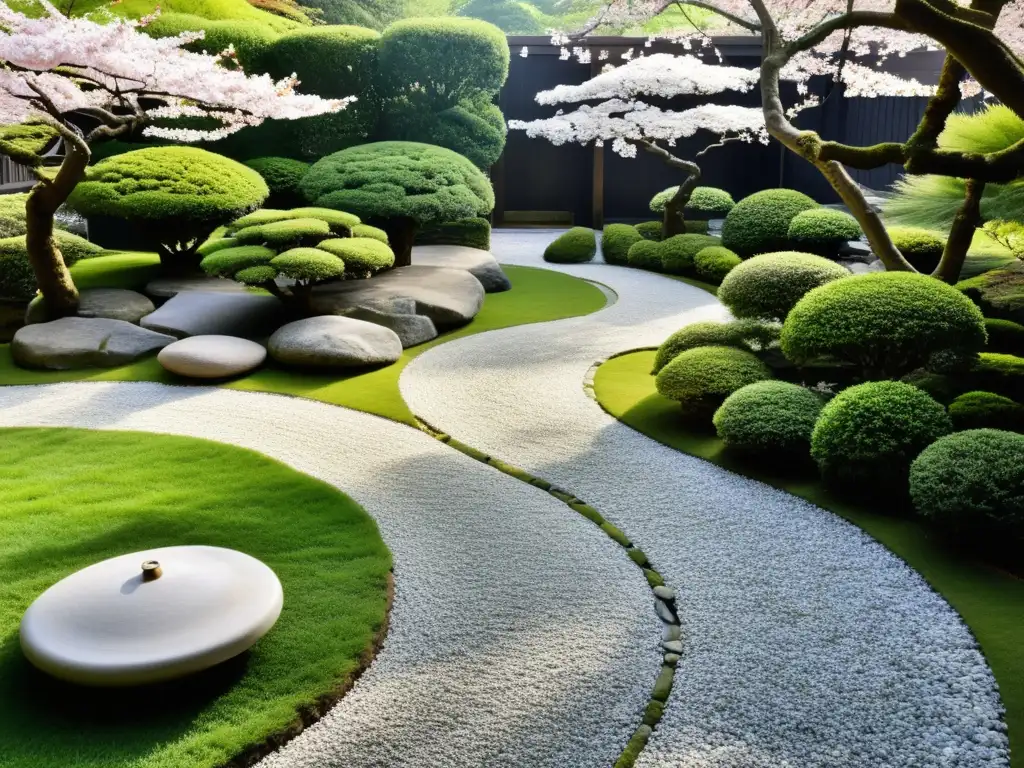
(215, 244)
(616, 240)
(645, 254)
(282, 176)
(885, 323)
(250, 37)
(508, 15)
(310, 264)
(471, 233)
(999, 292)
(741, 334)
(972, 483)
(867, 435)
(339, 222)
(365, 230)
(704, 203)
(923, 249)
(286, 232)
(700, 379)
(12, 215)
(769, 419)
(227, 261)
(176, 195)
(678, 252)
(576, 246)
(981, 410)
(649, 230)
(362, 255)
(475, 128)
(17, 280)
(822, 231)
(760, 223)
(769, 286)
(999, 373)
(1004, 336)
(400, 186)
(714, 263)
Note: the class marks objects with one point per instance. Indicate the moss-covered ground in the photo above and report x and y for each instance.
(69, 498)
(990, 600)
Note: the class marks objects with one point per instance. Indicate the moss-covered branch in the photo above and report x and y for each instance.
(961, 234)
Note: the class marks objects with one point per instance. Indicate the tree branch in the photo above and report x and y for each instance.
(961, 234)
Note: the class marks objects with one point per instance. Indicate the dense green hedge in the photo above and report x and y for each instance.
(616, 240)
(250, 37)
(999, 292)
(770, 419)
(1004, 336)
(923, 249)
(886, 323)
(649, 230)
(365, 230)
(973, 482)
(678, 252)
(17, 280)
(281, 233)
(978, 410)
(12, 215)
(645, 254)
(472, 233)
(760, 223)
(576, 246)
(508, 15)
(769, 286)
(714, 263)
(822, 231)
(867, 436)
(282, 176)
(741, 334)
(474, 128)
(704, 203)
(362, 255)
(700, 379)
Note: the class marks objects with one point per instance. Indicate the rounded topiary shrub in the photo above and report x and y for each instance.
(769, 286)
(704, 202)
(822, 231)
(649, 230)
(771, 419)
(576, 246)
(700, 379)
(400, 186)
(678, 252)
(972, 483)
(760, 223)
(923, 249)
(742, 334)
(18, 280)
(176, 195)
(471, 233)
(282, 175)
(980, 410)
(645, 254)
(1004, 336)
(714, 263)
(887, 324)
(475, 128)
(867, 435)
(616, 240)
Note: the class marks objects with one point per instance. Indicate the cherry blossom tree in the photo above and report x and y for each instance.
(58, 74)
(628, 122)
(982, 39)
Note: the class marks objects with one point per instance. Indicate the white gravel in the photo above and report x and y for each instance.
(807, 644)
(520, 634)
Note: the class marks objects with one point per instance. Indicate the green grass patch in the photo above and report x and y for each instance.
(537, 295)
(990, 601)
(70, 498)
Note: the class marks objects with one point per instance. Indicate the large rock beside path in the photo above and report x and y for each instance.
(481, 264)
(166, 287)
(110, 303)
(411, 328)
(204, 313)
(212, 357)
(83, 342)
(449, 297)
(334, 343)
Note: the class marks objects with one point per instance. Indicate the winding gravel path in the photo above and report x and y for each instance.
(806, 643)
(520, 634)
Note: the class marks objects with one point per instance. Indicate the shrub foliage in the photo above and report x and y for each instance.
(760, 223)
(616, 240)
(822, 231)
(771, 419)
(576, 246)
(769, 286)
(700, 379)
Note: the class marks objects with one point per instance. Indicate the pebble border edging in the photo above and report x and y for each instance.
(664, 596)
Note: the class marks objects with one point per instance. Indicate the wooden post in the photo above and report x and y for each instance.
(597, 192)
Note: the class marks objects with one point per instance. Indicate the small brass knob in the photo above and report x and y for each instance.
(151, 570)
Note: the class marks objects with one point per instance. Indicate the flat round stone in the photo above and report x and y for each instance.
(151, 616)
(212, 357)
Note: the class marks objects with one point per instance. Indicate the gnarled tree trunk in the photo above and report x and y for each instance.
(673, 220)
(401, 234)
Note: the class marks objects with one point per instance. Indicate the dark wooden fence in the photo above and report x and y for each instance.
(536, 182)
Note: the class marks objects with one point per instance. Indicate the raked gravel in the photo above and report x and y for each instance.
(521, 635)
(805, 643)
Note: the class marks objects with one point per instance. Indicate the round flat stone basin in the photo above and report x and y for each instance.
(151, 616)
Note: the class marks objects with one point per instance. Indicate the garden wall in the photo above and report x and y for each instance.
(536, 182)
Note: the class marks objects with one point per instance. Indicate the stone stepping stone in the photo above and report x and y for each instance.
(212, 357)
(481, 264)
(83, 342)
(333, 342)
(111, 303)
(203, 313)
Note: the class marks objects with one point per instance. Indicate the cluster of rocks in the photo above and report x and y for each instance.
(212, 328)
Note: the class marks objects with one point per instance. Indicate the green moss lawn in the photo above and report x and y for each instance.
(990, 601)
(69, 498)
(537, 295)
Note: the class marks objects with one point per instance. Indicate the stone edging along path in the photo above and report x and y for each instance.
(805, 642)
(520, 634)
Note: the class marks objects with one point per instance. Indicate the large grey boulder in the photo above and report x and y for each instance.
(166, 287)
(203, 313)
(449, 297)
(411, 328)
(334, 343)
(212, 357)
(83, 342)
(111, 303)
(481, 264)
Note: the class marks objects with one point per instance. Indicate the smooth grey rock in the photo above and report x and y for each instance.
(166, 287)
(673, 646)
(664, 611)
(856, 250)
(203, 313)
(83, 342)
(412, 329)
(212, 357)
(111, 303)
(860, 268)
(334, 342)
(665, 593)
(672, 632)
(481, 264)
(449, 297)
(672, 659)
